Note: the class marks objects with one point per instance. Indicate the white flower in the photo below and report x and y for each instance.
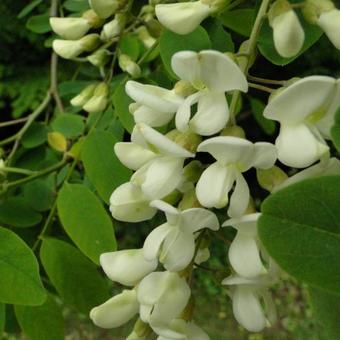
(104, 8)
(234, 155)
(127, 267)
(84, 96)
(129, 204)
(329, 21)
(99, 99)
(155, 106)
(114, 27)
(327, 167)
(184, 17)
(180, 329)
(162, 297)
(116, 311)
(158, 159)
(70, 28)
(246, 295)
(306, 112)
(244, 254)
(211, 73)
(288, 34)
(174, 241)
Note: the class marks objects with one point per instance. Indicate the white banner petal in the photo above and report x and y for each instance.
(195, 219)
(239, 199)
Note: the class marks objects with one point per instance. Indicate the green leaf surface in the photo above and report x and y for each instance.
(43, 322)
(326, 308)
(35, 135)
(29, 8)
(75, 278)
(240, 20)
(335, 130)
(16, 212)
(102, 166)
(19, 280)
(85, 221)
(39, 23)
(220, 39)
(170, 43)
(2, 318)
(76, 5)
(267, 125)
(300, 228)
(130, 45)
(69, 125)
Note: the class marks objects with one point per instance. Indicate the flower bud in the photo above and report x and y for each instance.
(288, 33)
(184, 88)
(98, 101)
(93, 19)
(67, 49)
(313, 9)
(84, 96)
(99, 58)
(184, 17)
(57, 141)
(104, 8)
(233, 131)
(113, 28)
(270, 178)
(116, 311)
(70, 28)
(129, 66)
(330, 24)
(145, 37)
(188, 140)
(189, 201)
(90, 42)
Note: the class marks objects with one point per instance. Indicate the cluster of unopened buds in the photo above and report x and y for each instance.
(168, 178)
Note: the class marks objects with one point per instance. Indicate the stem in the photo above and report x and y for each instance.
(261, 87)
(13, 122)
(250, 52)
(17, 170)
(266, 81)
(54, 82)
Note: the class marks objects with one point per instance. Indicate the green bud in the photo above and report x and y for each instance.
(99, 58)
(270, 178)
(188, 140)
(233, 131)
(57, 141)
(98, 102)
(189, 201)
(277, 8)
(129, 66)
(83, 96)
(90, 42)
(184, 88)
(154, 27)
(312, 9)
(92, 18)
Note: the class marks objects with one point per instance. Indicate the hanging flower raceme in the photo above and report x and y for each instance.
(154, 105)
(212, 74)
(244, 253)
(288, 33)
(174, 242)
(233, 156)
(185, 17)
(162, 297)
(157, 159)
(305, 111)
(246, 295)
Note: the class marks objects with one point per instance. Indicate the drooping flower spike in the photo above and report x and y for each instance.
(174, 242)
(212, 74)
(233, 156)
(305, 111)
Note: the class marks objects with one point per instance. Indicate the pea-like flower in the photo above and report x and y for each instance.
(233, 156)
(212, 74)
(329, 21)
(174, 242)
(305, 111)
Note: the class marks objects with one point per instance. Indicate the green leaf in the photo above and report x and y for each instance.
(335, 131)
(76, 5)
(130, 45)
(69, 125)
(267, 48)
(85, 221)
(16, 212)
(300, 228)
(29, 8)
(121, 102)
(102, 166)
(39, 23)
(2, 318)
(170, 43)
(19, 280)
(35, 135)
(43, 322)
(240, 20)
(75, 277)
(326, 308)
(267, 125)
(220, 39)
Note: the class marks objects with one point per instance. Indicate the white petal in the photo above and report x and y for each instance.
(178, 251)
(330, 23)
(288, 34)
(244, 256)
(229, 150)
(221, 74)
(116, 311)
(186, 65)
(264, 156)
(301, 99)
(127, 267)
(154, 241)
(196, 333)
(176, 329)
(247, 224)
(195, 219)
(154, 97)
(298, 147)
(69, 28)
(239, 199)
(184, 111)
(270, 307)
(214, 185)
(212, 114)
(104, 8)
(247, 309)
(171, 213)
(153, 118)
(67, 49)
(129, 204)
(132, 155)
(182, 18)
